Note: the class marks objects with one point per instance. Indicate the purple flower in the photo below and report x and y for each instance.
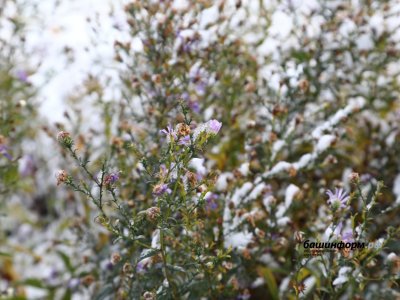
(73, 283)
(22, 75)
(184, 140)
(338, 199)
(199, 77)
(169, 132)
(214, 126)
(140, 267)
(27, 166)
(4, 151)
(211, 203)
(366, 178)
(111, 179)
(347, 237)
(160, 189)
(194, 106)
(201, 88)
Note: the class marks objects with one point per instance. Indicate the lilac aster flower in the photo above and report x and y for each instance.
(160, 189)
(111, 179)
(184, 140)
(194, 106)
(4, 151)
(214, 126)
(73, 283)
(140, 267)
(347, 237)
(22, 75)
(199, 77)
(27, 166)
(169, 132)
(338, 199)
(210, 201)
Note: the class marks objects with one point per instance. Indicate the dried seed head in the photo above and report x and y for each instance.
(182, 129)
(61, 176)
(127, 268)
(153, 213)
(148, 296)
(88, 280)
(192, 179)
(117, 142)
(304, 85)
(298, 236)
(115, 258)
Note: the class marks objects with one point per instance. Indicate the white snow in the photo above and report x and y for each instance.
(325, 142)
(198, 165)
(222, 181)
(241, 193)
(238, 240)
(396, 188)
(342, 276)
(291, 192)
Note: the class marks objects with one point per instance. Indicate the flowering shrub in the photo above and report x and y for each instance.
(234, 160)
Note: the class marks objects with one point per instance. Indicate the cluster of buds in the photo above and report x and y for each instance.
(153, 213)
(354, 177)
(65, 139)
(62, 177)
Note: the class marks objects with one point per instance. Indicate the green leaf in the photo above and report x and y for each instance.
(5, 254)
(148, 253)
(105, 292)
(66, 260)
(271, 282)
(176, 268)
(34, 282)
(67, 295)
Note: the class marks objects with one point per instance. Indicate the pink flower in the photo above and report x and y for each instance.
(184, 140)
(160, 189)
(169, 132)
(214, 126)
(338, 199)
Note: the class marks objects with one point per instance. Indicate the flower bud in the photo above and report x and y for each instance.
(354, 177)
(65, 139)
